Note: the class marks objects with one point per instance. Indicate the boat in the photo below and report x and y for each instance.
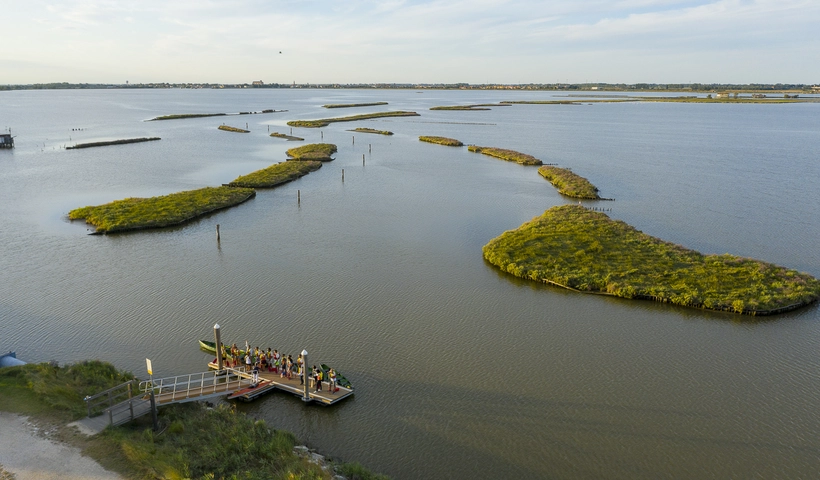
(210, 347)
(340, 379)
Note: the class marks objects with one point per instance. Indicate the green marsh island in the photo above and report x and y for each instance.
(505, 154)
(113, 142)
(290, 138)
(450, 142)
(473, 107)
(157, 212)
(233, 129)
(323, 122)
(313, 151)
(352, 105)
(276, 174)
(183, 116)
(568, 183)
(371, 130)
(572, 247)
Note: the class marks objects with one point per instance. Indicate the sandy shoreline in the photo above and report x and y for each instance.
(26, 454)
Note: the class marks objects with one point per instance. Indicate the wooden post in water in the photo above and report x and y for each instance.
(320, 133)
(362, 159)
(369, 148)
(217, 233)
(354, 139)
(218, 339)
(343, 174)
(298, 200)
(246, 125)
(306, 397)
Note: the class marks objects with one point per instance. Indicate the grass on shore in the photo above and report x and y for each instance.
(162, 211)
(508, 155)
(371, 130)
(568, 183)
(313, 151)
(323, 122)
(233, 129)
(572, 247)
(287, 137)
(350, 105)
(276, 174)
(113, 142)
(450, 142)
(193, 441)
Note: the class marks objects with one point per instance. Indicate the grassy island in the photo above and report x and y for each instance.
(508, 155)
(158, 212)
(371, 130)
(351, 105)
(287, 137)
(450, 142)
(476, 107)
(233, 129)
(323, 122)
(276, 174)
(113, 142)
(572, 247)
(180, 116)
(313, 151)
(568, 183)
(193, 441)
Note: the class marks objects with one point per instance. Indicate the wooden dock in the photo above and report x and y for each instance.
(269, 381)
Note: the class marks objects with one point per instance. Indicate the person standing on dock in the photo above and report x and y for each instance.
(247, 360)
(332, 374)
(300, 369)
(256, 375)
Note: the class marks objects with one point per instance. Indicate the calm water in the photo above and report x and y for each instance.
(460, 371)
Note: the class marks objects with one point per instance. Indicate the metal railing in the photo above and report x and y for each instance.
(183, 387)
(99, 403)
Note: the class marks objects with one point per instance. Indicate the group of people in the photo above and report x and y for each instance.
(258, 359)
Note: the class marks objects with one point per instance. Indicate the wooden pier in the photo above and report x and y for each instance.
(270, 381)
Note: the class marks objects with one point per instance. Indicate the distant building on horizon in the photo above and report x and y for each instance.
(258, 83)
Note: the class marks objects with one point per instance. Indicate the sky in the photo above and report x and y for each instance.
(410, 41)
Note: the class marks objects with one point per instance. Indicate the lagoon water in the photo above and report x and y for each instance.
(460, 371)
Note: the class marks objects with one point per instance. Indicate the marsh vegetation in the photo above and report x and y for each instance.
(573, 247)
(371, 130)
(276, 174)
(313, 151)
(568, 183)
(351, 105)
(323, 122)
(286, 137)
(450, 142)
(162, 211)
(505, 154)
(113, 142)
(233, 129)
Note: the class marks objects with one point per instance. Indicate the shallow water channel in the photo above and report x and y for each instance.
(460, 371)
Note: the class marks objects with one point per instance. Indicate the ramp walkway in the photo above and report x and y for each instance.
(131, 400)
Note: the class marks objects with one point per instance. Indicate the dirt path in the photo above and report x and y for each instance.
(26, 455)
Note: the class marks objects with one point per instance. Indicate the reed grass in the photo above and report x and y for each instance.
(233, 129)
(113, 142)
(568, 183)
(508, 155)
(371, 130)
(476, 106)
(313, 151)
(323, 122)
(572, 247)
(450, 142)
(162, 211)
(276, 174)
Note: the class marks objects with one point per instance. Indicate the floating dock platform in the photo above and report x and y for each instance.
(270, 381)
